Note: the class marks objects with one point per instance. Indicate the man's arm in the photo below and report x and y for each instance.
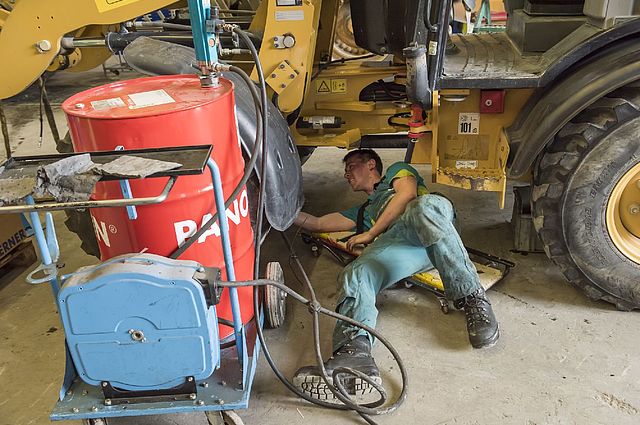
(333, 222)
(406, 189)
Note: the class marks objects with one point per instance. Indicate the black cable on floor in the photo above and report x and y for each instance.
(339, 391)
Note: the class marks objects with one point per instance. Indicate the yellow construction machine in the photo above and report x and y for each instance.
(553, 101)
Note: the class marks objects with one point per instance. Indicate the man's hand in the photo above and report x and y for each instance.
(361, 239)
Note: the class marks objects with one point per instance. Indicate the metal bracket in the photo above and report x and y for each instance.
(281, 77)
(115, 396)
(210, 285)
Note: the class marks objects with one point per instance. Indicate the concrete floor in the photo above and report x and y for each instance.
(561, 359)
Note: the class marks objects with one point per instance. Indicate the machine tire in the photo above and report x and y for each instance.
(275, 306)
(574, 179)
(79, 222)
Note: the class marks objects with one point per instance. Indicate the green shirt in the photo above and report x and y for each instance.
(383, 192)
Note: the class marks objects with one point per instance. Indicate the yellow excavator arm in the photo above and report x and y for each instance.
(31, 31)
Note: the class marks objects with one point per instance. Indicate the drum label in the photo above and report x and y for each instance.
(102, 105)
(149, 98)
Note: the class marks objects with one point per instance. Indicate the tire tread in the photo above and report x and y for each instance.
(556, 166)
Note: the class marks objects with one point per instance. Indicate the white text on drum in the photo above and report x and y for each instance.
(186, 228)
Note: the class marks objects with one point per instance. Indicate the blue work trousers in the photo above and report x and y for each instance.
(423, 237)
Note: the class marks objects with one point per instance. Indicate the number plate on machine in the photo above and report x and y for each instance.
(468, 123)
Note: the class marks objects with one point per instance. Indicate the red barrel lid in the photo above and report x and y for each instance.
(142, 97)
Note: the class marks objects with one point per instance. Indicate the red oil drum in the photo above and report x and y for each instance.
(160, 112)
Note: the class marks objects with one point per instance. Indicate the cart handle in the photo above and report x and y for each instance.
(105, 203)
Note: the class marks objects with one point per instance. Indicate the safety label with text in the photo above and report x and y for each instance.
(466, 164)
(468, 123)
(290, 15)
(335, 85)
(101, 105)
(149, 98)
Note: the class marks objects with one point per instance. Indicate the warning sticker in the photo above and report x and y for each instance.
(149, 98)
(325, 86)
(467, 164)
(290, 15)
(101, 105)
(433, 48)
(468, 123)
(339, 85)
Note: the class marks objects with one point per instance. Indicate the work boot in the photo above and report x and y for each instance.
(356, 355)
(481, 322)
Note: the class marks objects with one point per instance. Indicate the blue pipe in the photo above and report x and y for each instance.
(41, 241)
(226, 249)
(125, 188)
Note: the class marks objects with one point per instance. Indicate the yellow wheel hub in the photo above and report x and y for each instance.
(623, 214)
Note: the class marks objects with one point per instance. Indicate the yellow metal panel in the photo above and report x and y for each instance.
(36, 20)
(108, 5)
(301, 22)
(336, 91)
(326, 30)
(4, 14)
(481, 147)
(346, 139)
(281, 77)
(425, 150)
(471, 149)
(347, 106)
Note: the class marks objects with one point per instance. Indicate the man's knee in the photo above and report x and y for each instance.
(436, 204)
(355, 278)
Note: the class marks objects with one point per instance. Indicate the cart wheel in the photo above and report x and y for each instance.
(98, 421)
(315, 250)
(224, 417)
(274, 298)
(444, 305)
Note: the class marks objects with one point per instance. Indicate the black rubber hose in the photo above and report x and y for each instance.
(265, 136)
(340, 392)
(247, 171)
(326, 65)
(258, 239)
(316, 308)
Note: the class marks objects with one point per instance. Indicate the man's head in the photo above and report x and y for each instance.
(362, 169)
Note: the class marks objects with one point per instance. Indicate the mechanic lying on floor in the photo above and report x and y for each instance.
(407, 231)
